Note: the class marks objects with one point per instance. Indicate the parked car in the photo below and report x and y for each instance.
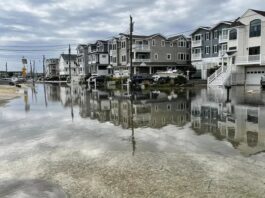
(100, 80)
(123, 74)
(138, 79)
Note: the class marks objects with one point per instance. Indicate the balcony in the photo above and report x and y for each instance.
(196, 57)
(196, 43)
(140, 60)
(141, 48)
(222, 53)
(223, 38)
(250, 60)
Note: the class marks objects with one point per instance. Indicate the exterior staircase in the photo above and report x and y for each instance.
(219, 77)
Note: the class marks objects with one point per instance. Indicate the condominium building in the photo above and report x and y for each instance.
(98, 58)
(245, 51)
(150, 53)
(209, 46)
(82, 59)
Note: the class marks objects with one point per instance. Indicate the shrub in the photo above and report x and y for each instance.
(180, 80)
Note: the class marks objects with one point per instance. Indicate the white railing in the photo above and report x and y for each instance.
(217, 73)
(197, 56)
(141, 60)
(223, 38)
(196, 43)
(141, 47)
(250, 59)
(222, 53)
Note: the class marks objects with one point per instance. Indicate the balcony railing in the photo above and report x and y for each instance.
(196, 43)
(137, 47)
(222, 53)
(223, 38)
(140, 60)
(248, 60)
(197, 56)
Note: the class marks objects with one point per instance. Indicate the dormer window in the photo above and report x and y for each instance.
(255, 28)
(163, 43)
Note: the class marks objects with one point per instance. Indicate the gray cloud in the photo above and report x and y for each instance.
(49, 22)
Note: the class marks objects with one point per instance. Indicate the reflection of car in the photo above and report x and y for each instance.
(262, 81)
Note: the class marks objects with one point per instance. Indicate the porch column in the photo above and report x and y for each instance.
(150, 70)
(134, 70)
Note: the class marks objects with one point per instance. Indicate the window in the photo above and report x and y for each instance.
(215, 34)
(123, 58)
(255, 28)
(207, 50)
(181, 43)
(156, 56)
(187, 57)
(153, 42)
(163, 43)
(215, 49)
(197, 37)
(225, 47)
(168, 56)
(171, 44)
(123, 44)
(254, 50)
(181, 56)
(104, 56)
(233, 34)
(207, 36)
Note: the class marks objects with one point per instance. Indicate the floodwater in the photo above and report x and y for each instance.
(58, 141)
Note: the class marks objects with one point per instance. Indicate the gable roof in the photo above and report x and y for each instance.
(220, 23)
(66, 56)
(176, 37)
(259, 12)
(202, 27)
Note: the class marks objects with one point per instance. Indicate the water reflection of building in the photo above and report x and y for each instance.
(241, 123)
(53, 92)
(145, 109)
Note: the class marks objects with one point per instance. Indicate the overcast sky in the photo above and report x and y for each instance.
(56, 22)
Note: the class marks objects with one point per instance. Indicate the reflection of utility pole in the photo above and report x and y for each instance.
(132, 124)
(45, 95)
(71, 98)
(33, 79)
(6, 70)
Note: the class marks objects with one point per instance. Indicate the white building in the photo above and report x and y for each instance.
(52, 67)
(64, 65)
(82, 59)
(246, 51)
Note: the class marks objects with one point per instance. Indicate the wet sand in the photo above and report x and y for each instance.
(8, 92)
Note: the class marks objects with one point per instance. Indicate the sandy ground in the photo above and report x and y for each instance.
(10, 92)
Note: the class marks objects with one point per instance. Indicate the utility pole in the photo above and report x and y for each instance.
(43, 67)
(69, 54)
(30, 69)
(131, 53)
